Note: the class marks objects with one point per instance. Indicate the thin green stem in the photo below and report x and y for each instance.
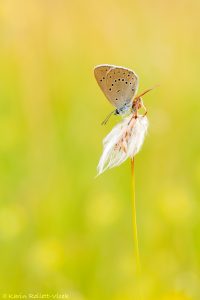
(135, 231)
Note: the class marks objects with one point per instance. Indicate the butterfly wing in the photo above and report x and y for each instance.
(100, 73)
(122, 85)
(118, 84)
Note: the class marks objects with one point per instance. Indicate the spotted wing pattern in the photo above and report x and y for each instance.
(118, 84)
(100, 73)
(121, 85)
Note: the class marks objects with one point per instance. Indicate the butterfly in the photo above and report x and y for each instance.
(120, 86)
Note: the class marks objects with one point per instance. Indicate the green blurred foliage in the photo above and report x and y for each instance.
(62, 230)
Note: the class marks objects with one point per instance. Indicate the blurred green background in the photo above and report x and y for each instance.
(62, 230)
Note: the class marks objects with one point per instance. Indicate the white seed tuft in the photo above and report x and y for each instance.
(125, 140)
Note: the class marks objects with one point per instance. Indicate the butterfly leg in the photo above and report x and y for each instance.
(108, 117)
(145, 110)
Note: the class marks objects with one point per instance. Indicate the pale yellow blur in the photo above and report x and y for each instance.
(61, 230)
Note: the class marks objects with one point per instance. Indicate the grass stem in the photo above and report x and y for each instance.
(135, 230)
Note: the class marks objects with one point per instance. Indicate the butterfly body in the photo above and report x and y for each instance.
(123, 110)
(120, 86)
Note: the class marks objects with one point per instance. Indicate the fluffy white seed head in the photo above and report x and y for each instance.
(125, 140)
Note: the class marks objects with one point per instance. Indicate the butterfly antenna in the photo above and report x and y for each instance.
(107, 118)
(148, 90)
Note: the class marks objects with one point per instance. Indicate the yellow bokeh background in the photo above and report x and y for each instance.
(62, 230)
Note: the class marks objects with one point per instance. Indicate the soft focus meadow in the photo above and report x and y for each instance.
(62, 230)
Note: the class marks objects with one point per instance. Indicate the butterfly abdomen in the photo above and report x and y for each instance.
(124, 110)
